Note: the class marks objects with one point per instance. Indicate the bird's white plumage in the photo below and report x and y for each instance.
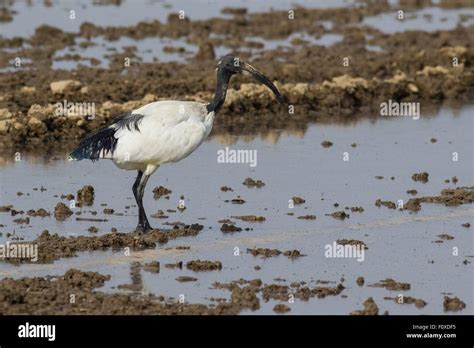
(169, 132)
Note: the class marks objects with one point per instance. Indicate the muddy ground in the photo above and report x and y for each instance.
(317, 82)
(321, 87)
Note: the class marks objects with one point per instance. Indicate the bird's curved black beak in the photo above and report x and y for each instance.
(248, 70)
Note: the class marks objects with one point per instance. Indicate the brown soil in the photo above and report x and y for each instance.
(341, 215)
(453, 304)
(249, 182)
(445, 236)
(62, 212)
(237, 200)
(230, 228)
(370, 308)
(323, 92)
(85, 196)
(283, 292)
(39, 212)
(391, 284)
(293, 254)
(160, 191)
(264, 252)
(152, 267)
(51, 295)
(419, 303)
(183, 279)
(250, 218)
(198, 265)
(281, 308)
(387, 204)
(448, 197)
(307, 217)
(298, 200)
(423, 177)
(52, 246)
(354, 242)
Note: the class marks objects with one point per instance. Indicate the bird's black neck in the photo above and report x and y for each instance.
(223, 78)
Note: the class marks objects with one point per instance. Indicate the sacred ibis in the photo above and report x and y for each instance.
(162, 131)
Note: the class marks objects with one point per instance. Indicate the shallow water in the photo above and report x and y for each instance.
(148, 50)
(427, 19)
(31, 15)
(400, 243)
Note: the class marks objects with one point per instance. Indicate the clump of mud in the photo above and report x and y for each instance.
(246, 297)
(183, 279)
(453, 304)
(307, 217)
(388, 204)
(51, 296)
(249, 182)
(281, 308)
(423, 177)
(370, 308)
(448, 197)
(304, 293)
(39, 212)
(250, 218)
(341, 215)
(62, 212)
(353, 242)
(199, 265)
(152, 267)
(230, 228)
(85, 196)
(297, 200)
(53, 246)
(419, 303)
(391, 284)
(161, 191)
(266, 253)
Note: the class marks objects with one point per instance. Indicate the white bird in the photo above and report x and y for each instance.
(162, 132)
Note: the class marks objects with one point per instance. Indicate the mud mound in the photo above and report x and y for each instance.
(53, 246)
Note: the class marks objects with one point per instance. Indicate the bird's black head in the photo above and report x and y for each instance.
(230, 65)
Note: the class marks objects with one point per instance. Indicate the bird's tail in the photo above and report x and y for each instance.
(95, 146)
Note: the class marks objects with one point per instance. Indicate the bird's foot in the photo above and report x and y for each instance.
(143, 228)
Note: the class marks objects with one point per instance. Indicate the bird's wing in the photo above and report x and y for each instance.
(162, 114)
(167, 132)
(145, 126)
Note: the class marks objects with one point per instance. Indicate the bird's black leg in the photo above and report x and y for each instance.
(138, 191)
(141, 191)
